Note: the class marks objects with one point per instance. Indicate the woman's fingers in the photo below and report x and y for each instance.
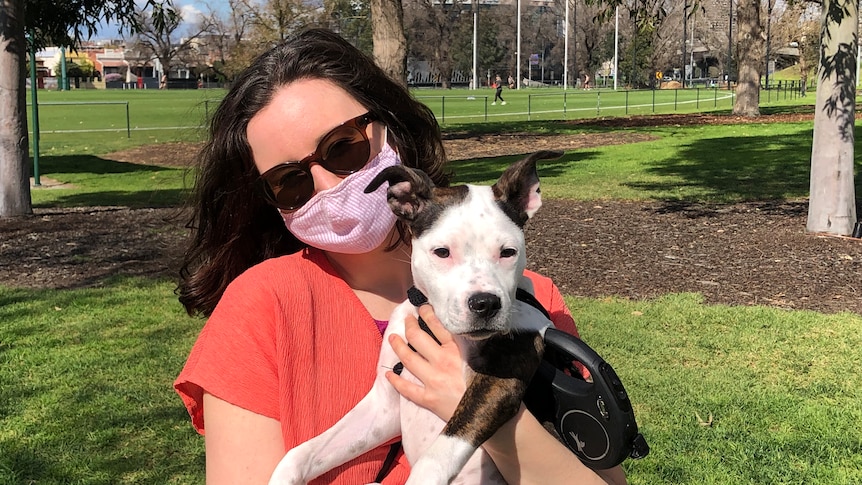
(438, 366)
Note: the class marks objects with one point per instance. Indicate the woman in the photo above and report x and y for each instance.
(298, 270)
(498, 90)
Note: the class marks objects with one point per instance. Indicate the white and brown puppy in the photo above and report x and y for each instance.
(468, 260)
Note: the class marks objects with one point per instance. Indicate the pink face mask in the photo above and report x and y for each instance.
(344, 219)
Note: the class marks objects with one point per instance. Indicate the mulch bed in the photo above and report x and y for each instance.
(739, 254)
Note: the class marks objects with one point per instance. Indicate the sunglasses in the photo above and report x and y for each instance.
(342, 151)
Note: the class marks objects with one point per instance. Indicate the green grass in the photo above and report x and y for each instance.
(768, 161)
(87, 398)
(101, 182)
(86, 395)
(85, 374)
(458, 106)
(780, 386)
(154, 117)
(95, 121)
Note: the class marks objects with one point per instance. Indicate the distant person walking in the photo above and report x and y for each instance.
(498, 94)
(163, 83)
(511, 82)
(586, 81)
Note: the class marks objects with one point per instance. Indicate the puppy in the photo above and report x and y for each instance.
(468, 260)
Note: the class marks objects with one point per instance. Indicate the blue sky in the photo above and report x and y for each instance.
(191, 10)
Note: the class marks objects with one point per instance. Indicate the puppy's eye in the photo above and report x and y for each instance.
(508, 253)
(442, 253)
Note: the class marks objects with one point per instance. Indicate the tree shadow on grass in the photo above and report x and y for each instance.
(89, 164)
(135, 199)
(737, 168)
(527, 128)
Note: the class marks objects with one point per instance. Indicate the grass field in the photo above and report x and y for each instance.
(104, 120)
(85, 374)
(768, 162)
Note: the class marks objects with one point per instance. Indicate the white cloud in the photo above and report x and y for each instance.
(191, 14)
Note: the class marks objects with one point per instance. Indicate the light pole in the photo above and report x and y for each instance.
(519, 45)
(684, 38)
(691, 51)
(566, 50)
(475, 44)
(768, 22)
(729, 40)
(616, 46)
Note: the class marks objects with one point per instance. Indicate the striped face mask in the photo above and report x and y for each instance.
(344, 219)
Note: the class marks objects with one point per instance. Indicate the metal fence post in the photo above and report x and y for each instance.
(33, 87)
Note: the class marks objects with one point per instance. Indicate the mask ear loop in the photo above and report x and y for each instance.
(385, 136)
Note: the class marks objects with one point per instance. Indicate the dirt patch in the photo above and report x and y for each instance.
(740, 254)
(459, 146)
(467, 146)
(49, 183)
(177, 154)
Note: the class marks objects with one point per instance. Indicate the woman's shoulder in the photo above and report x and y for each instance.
(541, 283)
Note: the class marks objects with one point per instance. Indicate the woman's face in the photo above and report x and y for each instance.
(299, 115)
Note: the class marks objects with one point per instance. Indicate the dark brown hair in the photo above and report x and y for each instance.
(232, 227)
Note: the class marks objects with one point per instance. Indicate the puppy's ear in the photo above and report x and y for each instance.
(518, 191)
(409, 190)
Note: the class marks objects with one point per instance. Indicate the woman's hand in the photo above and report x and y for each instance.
(439, 367)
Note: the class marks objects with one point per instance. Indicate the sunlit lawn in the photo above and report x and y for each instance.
(85, 374)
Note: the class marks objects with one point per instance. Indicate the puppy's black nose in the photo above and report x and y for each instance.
(484, 305)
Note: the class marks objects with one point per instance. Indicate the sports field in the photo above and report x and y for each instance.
(115, 119)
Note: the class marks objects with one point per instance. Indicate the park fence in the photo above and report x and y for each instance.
(542, 104)
(472, 107)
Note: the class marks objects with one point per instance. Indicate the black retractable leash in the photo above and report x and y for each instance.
(592, 418)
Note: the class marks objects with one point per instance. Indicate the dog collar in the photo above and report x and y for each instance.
(417, 299)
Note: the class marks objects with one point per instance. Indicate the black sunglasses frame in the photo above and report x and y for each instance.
(269, 182)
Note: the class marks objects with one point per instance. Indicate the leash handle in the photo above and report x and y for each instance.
(594, 419)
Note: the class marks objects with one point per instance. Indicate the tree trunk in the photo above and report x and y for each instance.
(390, 43)
(749, 44)
(14, 155)
(832, 202)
